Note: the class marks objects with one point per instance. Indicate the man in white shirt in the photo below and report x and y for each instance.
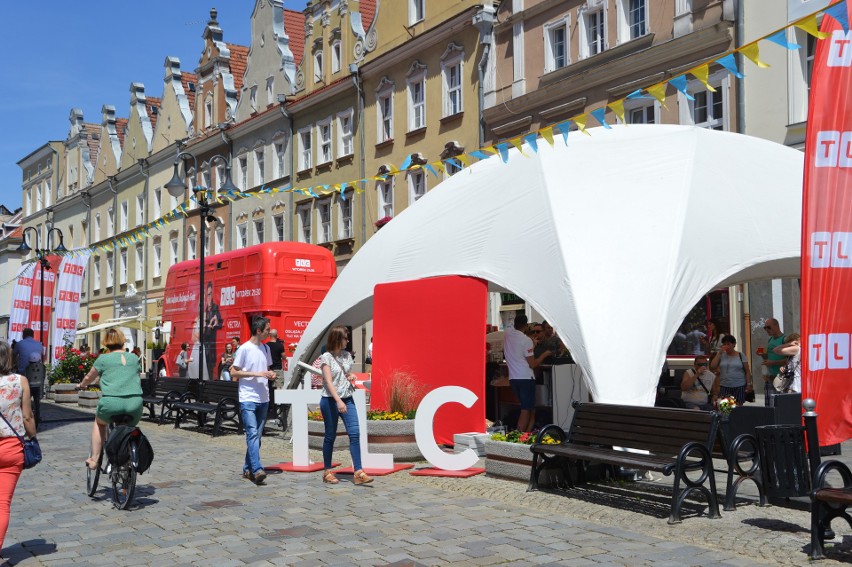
(251, 367)
(518, 351)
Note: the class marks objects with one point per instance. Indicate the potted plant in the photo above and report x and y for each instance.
(382, 222)
(508, 455)
(69, 370)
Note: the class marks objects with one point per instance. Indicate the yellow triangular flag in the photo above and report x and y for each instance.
(702, 74)
(464, 159)
(439, 166)
(658, 91)
(518, 143)
(547, 134)
(752, 51)
(811, 26)
(617, 108)
(580, 121)
(489, 150)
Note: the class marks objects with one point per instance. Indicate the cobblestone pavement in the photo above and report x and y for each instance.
(194, 509)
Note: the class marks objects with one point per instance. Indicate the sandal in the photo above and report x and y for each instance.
(362, 478)
(329, 478)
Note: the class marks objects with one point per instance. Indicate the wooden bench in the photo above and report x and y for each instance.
(828, 504)
(214, 396)
(677, 441)
(165, 392)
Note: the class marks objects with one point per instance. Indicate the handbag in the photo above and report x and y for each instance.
(785, 376)
(32, 450)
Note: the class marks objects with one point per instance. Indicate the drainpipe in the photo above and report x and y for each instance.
(230, 146)
(87, 201)
(486, 50)
(359, 94)
(143, 164)
(115, 220)
(282, 101)
(483, 20)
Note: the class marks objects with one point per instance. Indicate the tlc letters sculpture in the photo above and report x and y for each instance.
(300, 399)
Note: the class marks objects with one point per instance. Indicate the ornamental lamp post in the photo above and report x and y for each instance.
(41, 256)
(177, 188)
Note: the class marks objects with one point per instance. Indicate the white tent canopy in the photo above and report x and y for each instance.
(613, 239)
(128, 322)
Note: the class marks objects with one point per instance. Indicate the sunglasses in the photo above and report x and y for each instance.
(767, 328)
(537, 331)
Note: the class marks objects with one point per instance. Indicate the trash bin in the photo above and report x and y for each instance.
(783, 461)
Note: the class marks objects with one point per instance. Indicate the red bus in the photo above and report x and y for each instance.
(284, 281)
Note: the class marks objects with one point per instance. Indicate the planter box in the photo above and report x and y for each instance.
(65, 393)
(88, 399)
(512, 461)
(395, 437)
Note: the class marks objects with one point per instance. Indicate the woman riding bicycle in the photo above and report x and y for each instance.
(121, 389)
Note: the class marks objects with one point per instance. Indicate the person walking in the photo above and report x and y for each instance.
(30, 356)
(16, 409)
(121, 389)
(734, 373)
(251, 367)
(183, 360)
(225, 363)
(338, 386)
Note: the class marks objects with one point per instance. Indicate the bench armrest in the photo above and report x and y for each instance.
(554, 431)
(827, 467)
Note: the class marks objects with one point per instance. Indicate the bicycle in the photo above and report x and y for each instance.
(122, 476)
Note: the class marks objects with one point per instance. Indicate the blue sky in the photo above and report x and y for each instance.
(85, 54)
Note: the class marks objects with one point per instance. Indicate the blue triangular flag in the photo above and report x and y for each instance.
(430, 169)
(503, 148)
(312, 193)
(781, 39)
(839, 13)
(600, 114)
(405, 165)
(564, 128)
(637, 94)
(531, 141)
(679, 83)
(729, 63)
(480, 155)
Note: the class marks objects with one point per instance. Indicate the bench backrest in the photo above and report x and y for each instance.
(662, 431)
(166, 384)
(213, 391)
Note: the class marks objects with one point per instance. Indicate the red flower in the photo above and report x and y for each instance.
(80, 367)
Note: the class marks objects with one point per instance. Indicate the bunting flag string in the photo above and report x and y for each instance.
(680, 83)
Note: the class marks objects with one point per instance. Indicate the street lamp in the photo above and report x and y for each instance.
(176, 188)
(41, 256)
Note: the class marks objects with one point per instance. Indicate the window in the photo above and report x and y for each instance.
(416, 11)
(192, 244)
(709, 109)
(38, 198)
(253, 97)
(220, 239)
(173, 250)
(206, 180)
(345, 230)
(208, 112)
(280, 158)
(305, 219)
(344, 134)
(417, 102)
(140, 210)
(243, 173)
(451, 70)
(97, 227)
(305, 150)
(206, 242)
(335, 56)
(324, 135)
(556, 45)
(96, 280)
(29, 203)
(125, 208)
(385, 116)
(110, 222)
(122, 267)
(451, 167)
(318, 72)
(416, 184)
(48, 198)
(637, 17)
(158, 203)
(258, 231)
(593, 32)
(324, 212)
(84, 234)
(640, 113)
(110, 258)
(278, 221)
(270, 88)
(385, 190)
(242, 234)
(158, 259)
(140, 263)
(259, 169)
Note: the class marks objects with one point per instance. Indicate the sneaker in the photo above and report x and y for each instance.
(248, 476)
(260, 477)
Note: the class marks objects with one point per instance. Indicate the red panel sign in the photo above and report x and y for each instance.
(827, 238)
(432, 331)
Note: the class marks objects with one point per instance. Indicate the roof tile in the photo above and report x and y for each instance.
(120, 129)
(239, 60)
(368, 12)
(151, 103)
(294, 27)
(185, 79)
(93, 140)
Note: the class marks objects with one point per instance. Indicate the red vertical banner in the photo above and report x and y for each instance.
(49, 275)
(431, 332)
(827, 237)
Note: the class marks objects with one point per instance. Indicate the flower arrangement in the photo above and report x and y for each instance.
(315, 415)
(727, 405)
(525, 438)
(382, 222)
(403, 393)
(374, 415)
(71, 366)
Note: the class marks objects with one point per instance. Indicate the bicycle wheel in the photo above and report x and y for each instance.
(123, 485)
(93, 476)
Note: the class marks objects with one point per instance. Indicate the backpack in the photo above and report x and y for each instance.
(35, 372)
(118, 447)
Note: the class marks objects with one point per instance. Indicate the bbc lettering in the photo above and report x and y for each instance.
(833, 149)
(831, 250)
(840, 49)
(829, 351)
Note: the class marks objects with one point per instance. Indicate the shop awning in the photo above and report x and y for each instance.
(129, 322)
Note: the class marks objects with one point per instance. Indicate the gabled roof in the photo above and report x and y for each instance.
(239, 60)
(93, 140)
(17, 233)
(368, 12)
(120, 129)
(185, 79)
(294, 25)
(152, 103)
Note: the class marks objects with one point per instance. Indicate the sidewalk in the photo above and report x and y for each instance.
(194, 509)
